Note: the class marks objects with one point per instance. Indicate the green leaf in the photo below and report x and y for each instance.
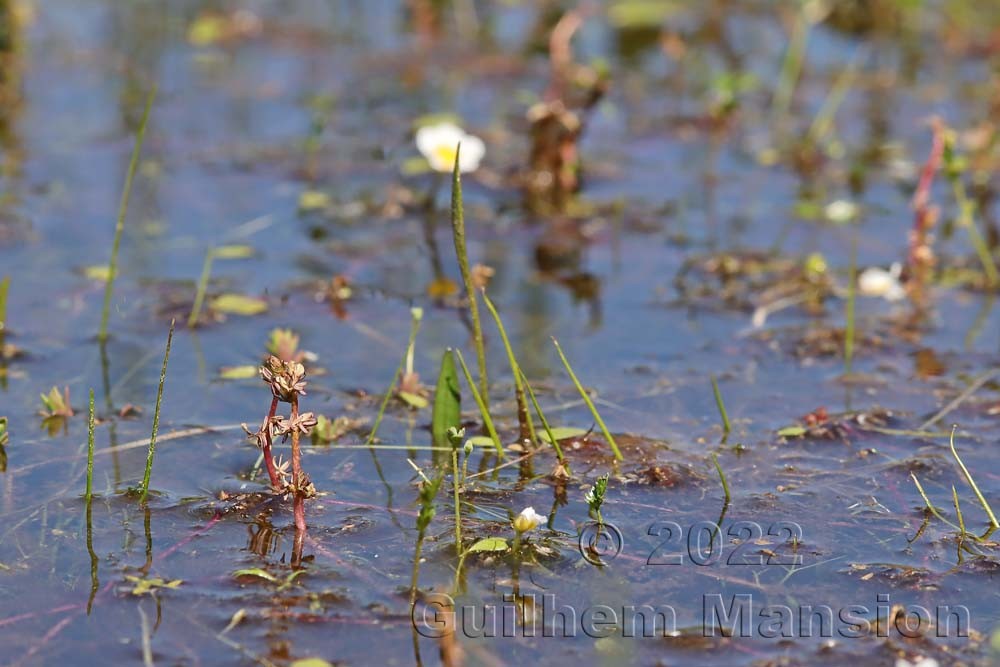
(313, 200)
(233, 252)
(415, 401)
(256, 572)
(447, 401)
(792, 432)
(489, 543)
(481, 441)
(237, 304)
(98, 273)
(563, 433)
(146, 586)
(238, 372)
(640, 13)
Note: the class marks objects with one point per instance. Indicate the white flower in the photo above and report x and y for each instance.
(527, 520)
(841, 211)
(875, 281)
(922, 662)
(439, 143)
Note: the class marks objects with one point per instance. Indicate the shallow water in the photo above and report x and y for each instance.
(226, 160)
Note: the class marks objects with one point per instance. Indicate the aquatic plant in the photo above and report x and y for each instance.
(4, 431)
(90, 449)
(133, 164)
(559, 120)
(590, 404)
(527, 426)
(562, 467)
(994, 524)
(921, 259)
(144, 488)
(721, 405)
(416, 316)
(458, 234)
(953, 166)
(527, 521)
(55, 404)
(286, 379)
(595, 497)
(484, 410)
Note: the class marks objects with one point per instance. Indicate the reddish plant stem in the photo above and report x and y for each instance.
(300, 529)
(272, 472)
(921, 260)
(297, 477)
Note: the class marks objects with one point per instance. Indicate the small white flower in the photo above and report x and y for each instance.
(527, 520)
(922, 662)
(439, 143)
(841, 211)
(875, 281)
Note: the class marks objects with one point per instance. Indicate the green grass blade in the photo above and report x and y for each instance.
(90, 449)
(722, 477)
(484, 411)
(523, 415)
(590, 404)
(972, 483)
(958, 510)
(144, 489)
(461, 252)
(545, 422)
(199, 297)
(416, 315)
(133, 164)
(447, 401)
(721, 405)
(927, 502)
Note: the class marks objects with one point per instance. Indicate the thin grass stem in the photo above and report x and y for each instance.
(927, 502)
(721, 405)
(545, 422)
(416, 317)
(90, 449)
(722, 477)
(968, 478)
(523, 415)
(484, 411)
(144, 489)
(199, 296)
(590, 404)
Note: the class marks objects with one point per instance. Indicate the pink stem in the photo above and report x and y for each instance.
(272, 472)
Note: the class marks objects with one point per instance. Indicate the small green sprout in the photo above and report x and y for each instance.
(595, 496)
(55, 404)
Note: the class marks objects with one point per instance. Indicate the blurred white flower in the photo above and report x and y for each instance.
(922, 662)
(876, 281)
(841, 211)
(439, 143)
(527, 520)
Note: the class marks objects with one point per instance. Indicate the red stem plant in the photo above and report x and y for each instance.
(287, 382)
(920, 260)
